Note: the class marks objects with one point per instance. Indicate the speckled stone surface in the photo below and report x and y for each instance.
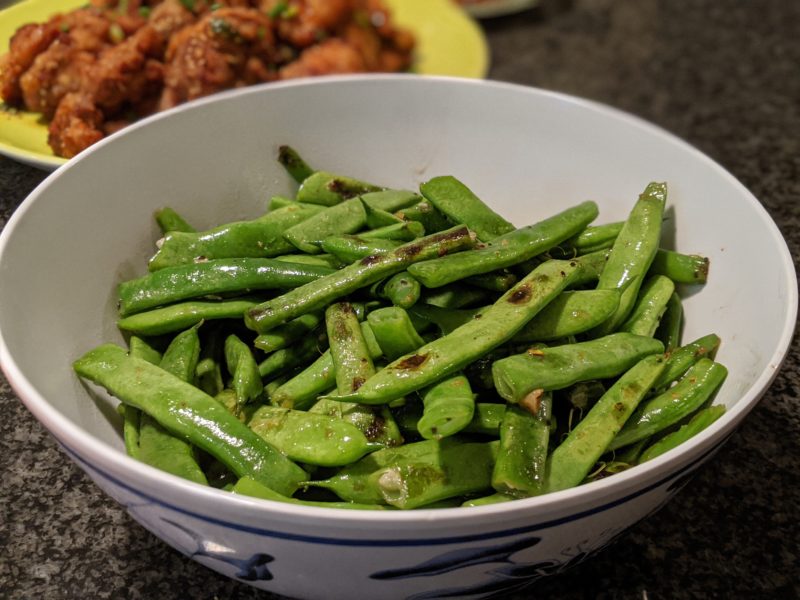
(724, 75)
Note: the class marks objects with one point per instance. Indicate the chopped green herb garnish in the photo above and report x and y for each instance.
(188, 4)
(277, 10)
(221, 27)
(115, 33)
(144, 12)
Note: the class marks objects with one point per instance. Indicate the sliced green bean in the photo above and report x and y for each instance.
(402, 290)
(557, 367)
(214, 277)
(699, 421)
(591, 239)
(522, 456)
(573, 459)
(190, 414)
(394, 331)
(461, 205)
(633, 252)
(318, 294)
(497, 281)
(451, 353)
(177, 317)
(168, 220)
(504, 251)
(646, 313)
(329, 189)
(678, 402)
(294, 163)
(259, 238)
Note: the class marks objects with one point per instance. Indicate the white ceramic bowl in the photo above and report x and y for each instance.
(526, 152)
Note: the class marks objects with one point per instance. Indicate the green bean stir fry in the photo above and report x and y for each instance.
(369, 348)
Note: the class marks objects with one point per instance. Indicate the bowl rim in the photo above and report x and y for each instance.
(82, 443)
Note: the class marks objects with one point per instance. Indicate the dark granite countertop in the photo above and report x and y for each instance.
(722, 74)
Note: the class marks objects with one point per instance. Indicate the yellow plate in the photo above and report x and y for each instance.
(449, 42)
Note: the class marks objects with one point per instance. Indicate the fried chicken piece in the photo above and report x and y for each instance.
(225, 48)
(76, 125)
(126, 72)
(333, 56)
(62, 66)
(26, 44)
(302, 23)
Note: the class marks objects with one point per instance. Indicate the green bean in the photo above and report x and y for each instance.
(350, 248)
(208, 374)
(497, 281)
(282, 336)
(486, 418)
(300, 391)
(680, 359)
(415, 474)
(310, 438)
(402, 290)
(445, 319)
(243, 369)
(592, 265)
(646, 313)
(346, 217)
(321, 260)
(591, 239)
(632, 253)
(449, 354)
(259, 238)
(178, 317)
(247, 486)
(572, 459)
(181, 356)
(679, 401)
(380, 219)
(188, 413)
(169, 220)
(290, 357)
(486, 500)
(504, 251)
(142, 349)
(449, 406)
(558, 367)
(276, 202)
(329, 189)
(671, 326)
(405, 231)
(316, 295)
(423, 212)
(454, 296)
(570, 313)
(174, 284)
(353, 365)
(394, 331)
(461, 205)
(681, 268)
(390, 200)
(522, 457)
(227, 398)
(294, 164)
(699, 421)
(157, 446)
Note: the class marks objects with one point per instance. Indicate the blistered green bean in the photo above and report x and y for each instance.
(698, 423)
(646, 313)
(177, 317)
(168, 220)
(329, 189)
